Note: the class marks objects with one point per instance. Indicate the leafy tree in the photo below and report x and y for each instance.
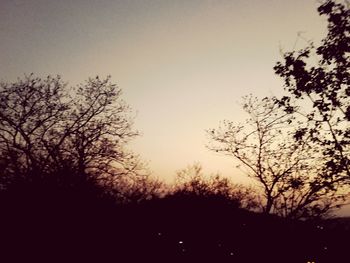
(317, 81)
(47, 128)
(287, 170)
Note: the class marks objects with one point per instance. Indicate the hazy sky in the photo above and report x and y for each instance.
(183, 65)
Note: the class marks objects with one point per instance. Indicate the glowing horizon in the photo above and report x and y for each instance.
(183, 65)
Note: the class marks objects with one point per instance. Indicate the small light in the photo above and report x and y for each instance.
(159, 233)
(181, 242)
(231, 254)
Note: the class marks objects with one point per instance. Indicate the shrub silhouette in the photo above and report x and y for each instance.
(45, 220)
(191, 182)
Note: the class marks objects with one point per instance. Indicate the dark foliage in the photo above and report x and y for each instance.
(44, 222)
(192, 183)
(76, 220)
(319, 92)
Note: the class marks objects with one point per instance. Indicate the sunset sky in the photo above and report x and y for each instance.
(183, 65)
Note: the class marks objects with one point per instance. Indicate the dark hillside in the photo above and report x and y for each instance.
(45, 222)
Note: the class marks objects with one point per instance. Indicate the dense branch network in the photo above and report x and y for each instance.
(46, 128)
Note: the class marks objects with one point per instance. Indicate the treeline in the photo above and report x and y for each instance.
(198, 220)
(70, 190)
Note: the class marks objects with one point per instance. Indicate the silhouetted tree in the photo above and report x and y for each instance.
(137, 188)
(317, 80)
(47, 128)
(192, 182)
(286, 170)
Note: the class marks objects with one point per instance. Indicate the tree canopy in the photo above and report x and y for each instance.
(287, 170)
(317, 81)
(49, 128)
(298, 146)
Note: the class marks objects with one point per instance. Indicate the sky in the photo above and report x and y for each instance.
(183, 65)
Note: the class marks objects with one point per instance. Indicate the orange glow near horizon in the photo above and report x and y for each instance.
(183, 65)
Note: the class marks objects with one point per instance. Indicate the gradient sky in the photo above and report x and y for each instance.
(183, 65)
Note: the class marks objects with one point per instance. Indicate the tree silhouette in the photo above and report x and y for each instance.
(286, 170)
(47, 128)
(192, 182)
(317, 80)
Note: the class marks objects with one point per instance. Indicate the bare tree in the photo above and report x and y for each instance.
(191, 181)
(286, 170)
(47, 128)
(137, 188)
